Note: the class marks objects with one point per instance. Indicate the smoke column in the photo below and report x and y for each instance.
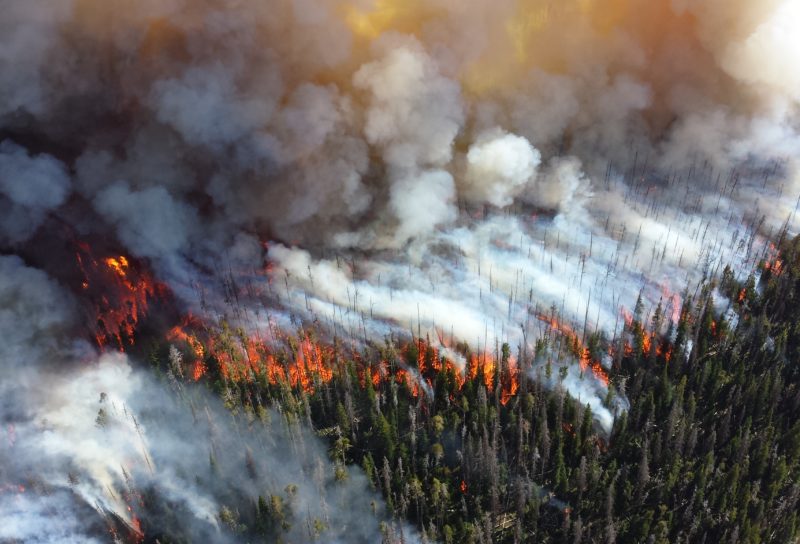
(461, 171)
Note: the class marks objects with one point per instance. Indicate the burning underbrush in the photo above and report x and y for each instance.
(304, 362)
(124, 301)
(308, 361)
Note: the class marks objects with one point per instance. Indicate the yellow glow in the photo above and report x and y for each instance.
(118, 265)
(514, 38)
(397, 15)
(524, 26)
(606, 15)
(370, 24)
(521, 45)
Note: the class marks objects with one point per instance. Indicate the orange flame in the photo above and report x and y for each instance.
(199, 370)
(673, 302)
(510, 385)
(578, 348)
(650, 340)
(666, 354)
(646, 343)
(305, 363)
(773, 262)
(118, 265)
(120, 294)
(179, 334)
(628, 317)
(775, 267)
(599, 373)
(311, 363)
(628, 350)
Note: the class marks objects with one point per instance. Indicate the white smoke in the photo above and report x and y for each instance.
(499, 166)
(414, 113)
(421, 202)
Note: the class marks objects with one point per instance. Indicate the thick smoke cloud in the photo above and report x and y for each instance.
(304, 138)
(457, 169)
(29, 188)
(499, 166)
(150, 222)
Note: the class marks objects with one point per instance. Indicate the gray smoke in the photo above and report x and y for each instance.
(30, 187)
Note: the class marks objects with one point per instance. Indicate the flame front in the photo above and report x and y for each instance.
(306, 363)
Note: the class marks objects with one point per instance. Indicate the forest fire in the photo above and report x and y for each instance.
(179, 334)
(773, 262)
(649, 342)
(305, 363)
(248, 224)
(119, 293)
(664, 352)
(577, 348)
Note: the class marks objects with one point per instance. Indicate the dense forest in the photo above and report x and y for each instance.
(709, 450)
